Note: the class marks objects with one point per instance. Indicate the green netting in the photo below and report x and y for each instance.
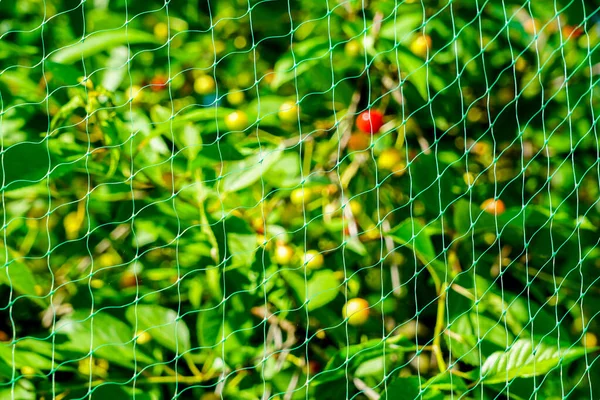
(308, 199)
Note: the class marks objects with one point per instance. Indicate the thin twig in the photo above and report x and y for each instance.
(392, 86)
(366, 390)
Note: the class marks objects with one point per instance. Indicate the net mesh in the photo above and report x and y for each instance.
(299, 199)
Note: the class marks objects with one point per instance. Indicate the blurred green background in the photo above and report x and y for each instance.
(188, 202)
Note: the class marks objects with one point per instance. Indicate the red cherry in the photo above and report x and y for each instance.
(369, 121)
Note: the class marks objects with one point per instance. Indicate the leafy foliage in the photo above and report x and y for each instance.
(155, 247)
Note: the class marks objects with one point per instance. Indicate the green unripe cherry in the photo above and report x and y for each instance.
(283, 254)
(236, 121)
(288, 112)
(204, 84)
(313, 259)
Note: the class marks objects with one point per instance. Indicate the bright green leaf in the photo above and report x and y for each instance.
(99, 42)
(162, 324)
(524, 360)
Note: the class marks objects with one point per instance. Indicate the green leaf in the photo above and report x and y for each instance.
(116, 68)
(463, 212)
(306, 55)
(20, 278)
(214, 153)
(425, 78)
(24, 358)
(433, 189)
(399, 28)
(25, 164)
(363, 352)
(244, 173)
(464, 341)
(423, 247)
(109, 337)
(62, 75)
(162, 324)
(210, 323)
(285, 173)
(8, 49)
(404, 388)
(511, 221)
(24, 390)
(241, 241)
(5, 369)
(374, 367)
(264, 109)
(99, 42)
(236, 240)
(207, 120)
(229, 333)
(191, 141)
(524, 360)
(445, 381)
(321, 288)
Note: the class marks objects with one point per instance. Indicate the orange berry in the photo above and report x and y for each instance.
(128, 279)
(158, 83)
(571, 31)
(494, 207)
(358, 142)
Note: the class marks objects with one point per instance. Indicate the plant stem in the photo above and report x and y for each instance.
(439, 324)
(192, 366)
(203, 219)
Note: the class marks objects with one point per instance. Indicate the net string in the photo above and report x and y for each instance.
(376, 188)
(53, 210)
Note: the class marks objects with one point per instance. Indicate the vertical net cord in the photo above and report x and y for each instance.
(9, 304)
(547, 154)
(441, 295)
(132, 135)
(47, 215)
(539, 66)
(203, 219)
(566, 85)
(303, 202)
(380, 222)
(88, 109)
(5, 240)
(475, 290)
(220, 259)
(397, 286)
(406, 152)
(581, 291)
(7, 255)
(261, 154)
(451, 363)
(266, 313)
(523, 181)
(173, 197)
(414, 232)
(497, 238)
